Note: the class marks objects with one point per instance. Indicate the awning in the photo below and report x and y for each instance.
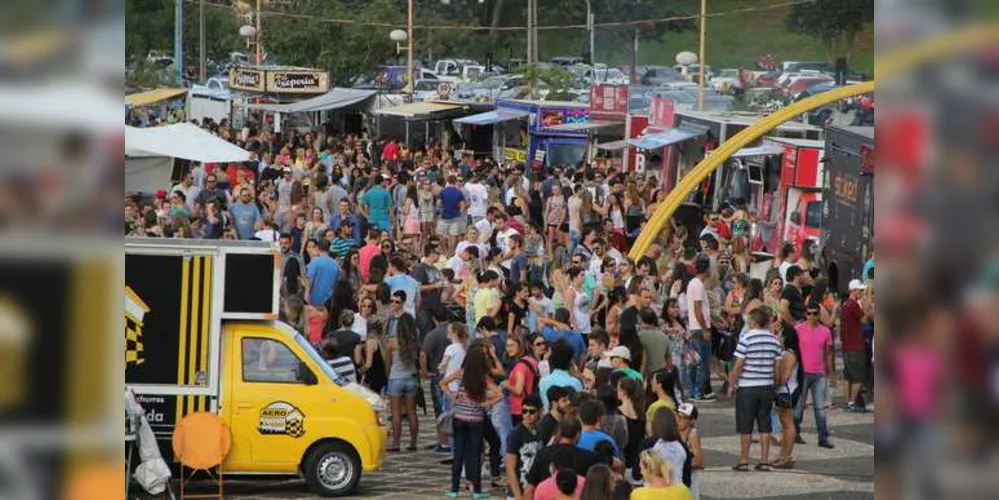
(153, 96)
(492, 117)
(335, 99)
(182, 140)
(418, 110)
(764, 150)
(671, 136)
(582, 127)
(613, 146)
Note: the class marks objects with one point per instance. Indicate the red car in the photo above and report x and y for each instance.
(803, 83)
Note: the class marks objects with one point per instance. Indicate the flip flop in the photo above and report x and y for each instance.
(741, 468)
(763, 467)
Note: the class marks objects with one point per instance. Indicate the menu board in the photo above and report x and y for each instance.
(551, 117)
(297, 82)
(247, 79)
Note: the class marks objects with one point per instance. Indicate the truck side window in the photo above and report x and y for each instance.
(813, 214)
(270, 361)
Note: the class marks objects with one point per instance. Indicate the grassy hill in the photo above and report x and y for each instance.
(732, 41)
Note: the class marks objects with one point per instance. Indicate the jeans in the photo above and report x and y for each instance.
(495, 458)
(817, 384)
(699, 376)
(437, 395)
(468, 453)
(499, 415)
(574, 240)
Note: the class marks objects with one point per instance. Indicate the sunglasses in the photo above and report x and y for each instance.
(530, 411)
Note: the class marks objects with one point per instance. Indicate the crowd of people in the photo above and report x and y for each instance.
(505, 291)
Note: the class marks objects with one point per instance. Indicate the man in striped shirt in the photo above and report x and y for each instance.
(757, 361)
(344, 241)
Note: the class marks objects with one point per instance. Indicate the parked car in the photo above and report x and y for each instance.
(426, 90)
(727, 80)
(692, 71)
(659, 75)
(800, 84)
(798, 66)
(567, 60)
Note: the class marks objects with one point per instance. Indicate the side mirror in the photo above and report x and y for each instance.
(306, 376)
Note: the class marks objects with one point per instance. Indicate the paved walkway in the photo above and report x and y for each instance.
(846, 472)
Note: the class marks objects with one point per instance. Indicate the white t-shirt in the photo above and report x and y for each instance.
(695, 292)
(478, 200)
(503, 242)
(784, 266)
(266, 235)
(360, 327)
(455, 355)
(485, 229)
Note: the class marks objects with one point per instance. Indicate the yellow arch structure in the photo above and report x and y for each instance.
(692, 179)
(897, 62)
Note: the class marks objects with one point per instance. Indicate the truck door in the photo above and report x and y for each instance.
(273, 396)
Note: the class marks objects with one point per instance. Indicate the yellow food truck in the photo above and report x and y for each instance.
(202, 335)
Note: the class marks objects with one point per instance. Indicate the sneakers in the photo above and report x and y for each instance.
(442, 450)
(481, 496)
(707, 398)
(451, 494)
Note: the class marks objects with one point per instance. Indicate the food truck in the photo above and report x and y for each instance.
(548, 142)
(202, 335)
(848, 205)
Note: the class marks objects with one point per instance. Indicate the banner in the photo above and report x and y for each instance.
(609, 99)
(246, 79)
(298, 82)
(513, 154)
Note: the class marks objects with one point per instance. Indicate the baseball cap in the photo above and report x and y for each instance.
(620, 352)
(688, 410)
(857, 285)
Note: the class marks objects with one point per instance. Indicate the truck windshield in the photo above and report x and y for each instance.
(319, 361)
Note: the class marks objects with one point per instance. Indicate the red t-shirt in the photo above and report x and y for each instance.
(367, 254)
(521, 369)
(723, 231)
(390, 152)
(851, 332)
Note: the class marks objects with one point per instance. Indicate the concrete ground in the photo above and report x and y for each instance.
(846, 472)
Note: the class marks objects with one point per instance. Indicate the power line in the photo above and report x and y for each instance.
(451, 27)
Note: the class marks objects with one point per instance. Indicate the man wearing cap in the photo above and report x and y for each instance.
(620, 357)
(852, 316)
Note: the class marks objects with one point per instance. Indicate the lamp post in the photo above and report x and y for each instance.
(700, 75)
(589, 29)
(399, 37)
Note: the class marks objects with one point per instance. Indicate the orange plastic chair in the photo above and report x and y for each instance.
(201, 442)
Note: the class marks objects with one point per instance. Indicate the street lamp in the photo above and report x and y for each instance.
(399, 37)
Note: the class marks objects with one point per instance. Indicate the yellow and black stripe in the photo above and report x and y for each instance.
(195, 330)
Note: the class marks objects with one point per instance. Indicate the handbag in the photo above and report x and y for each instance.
(784, 399)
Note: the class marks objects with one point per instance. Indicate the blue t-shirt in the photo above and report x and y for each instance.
(323, 274)
(451, 199)
(244, 217)
(407, 284)
(588, 441)
(379, 201)
(575, 339)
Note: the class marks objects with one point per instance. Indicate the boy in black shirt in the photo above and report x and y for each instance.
(561, 403)
(523, 446)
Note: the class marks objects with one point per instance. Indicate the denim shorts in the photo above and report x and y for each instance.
(402, 387)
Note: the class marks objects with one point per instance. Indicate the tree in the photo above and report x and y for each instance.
(635, 10)
(835, 23)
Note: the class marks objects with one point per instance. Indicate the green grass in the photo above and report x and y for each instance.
(732, 41)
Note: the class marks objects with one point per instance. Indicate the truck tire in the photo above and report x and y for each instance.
(332, 469)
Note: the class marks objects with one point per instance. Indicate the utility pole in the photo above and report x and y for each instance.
(411, 86)
(589, 28)
(633, 77)
(202, 64)
(260, 36)
(700, 57)
(178, 39)
(530, 48)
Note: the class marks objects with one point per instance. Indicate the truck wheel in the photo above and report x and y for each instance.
(332, 469)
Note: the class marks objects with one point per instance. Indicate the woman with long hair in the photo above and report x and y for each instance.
(771, 295)
(373, 370)
(402, 358)
(316, 227)
(663, 390)
(612, 422)
(618, 301)
(631, 394)
(475, 395)
(538, 351)
(599, 483)
(634, 210)
(674, 325)
(668, 445)
(555, 216)
(521, 375)
(827, 301)
(789, 380)
(588, 215)
(577, 301)
(293, 313)
(425, 201)
(352, 269)
(411, 226)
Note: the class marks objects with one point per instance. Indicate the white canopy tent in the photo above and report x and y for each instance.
(335, 99)
(149, 153)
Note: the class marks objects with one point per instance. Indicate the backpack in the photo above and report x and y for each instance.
(533, 388)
